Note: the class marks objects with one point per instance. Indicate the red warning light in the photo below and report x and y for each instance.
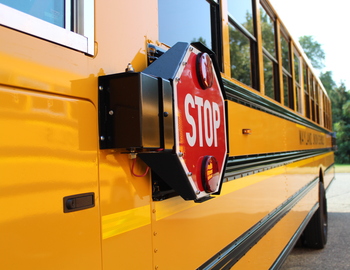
(210, 174)
(205, 71)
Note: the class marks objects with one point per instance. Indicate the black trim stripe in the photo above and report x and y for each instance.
(228, 256)
(240, 166)
(250, 99)
(285, 252)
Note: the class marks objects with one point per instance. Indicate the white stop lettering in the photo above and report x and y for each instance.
(204, 123)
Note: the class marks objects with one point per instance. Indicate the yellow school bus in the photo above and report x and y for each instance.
(158, 135)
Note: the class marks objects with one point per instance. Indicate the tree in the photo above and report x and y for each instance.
(313, 50)
(340, 98)
(327, 81)
(342, 129)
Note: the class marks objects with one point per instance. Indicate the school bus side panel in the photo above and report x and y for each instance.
(269, 133)
(47, 152)
(122, 30)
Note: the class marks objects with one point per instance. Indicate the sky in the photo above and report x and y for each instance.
(328, 22)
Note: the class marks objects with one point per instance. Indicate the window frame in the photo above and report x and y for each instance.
(289, 93)
(317, 103)
(253, 43)
(312, 97)
(272, 58)
(297, 75)
(306, 74)
(81, 40)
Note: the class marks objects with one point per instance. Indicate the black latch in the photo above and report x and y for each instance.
(78, 202)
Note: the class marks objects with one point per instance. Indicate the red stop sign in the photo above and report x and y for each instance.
(200, 122)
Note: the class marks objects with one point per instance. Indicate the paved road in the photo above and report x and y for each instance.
(336, 254)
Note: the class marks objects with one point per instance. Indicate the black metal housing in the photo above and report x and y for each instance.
(131, 111)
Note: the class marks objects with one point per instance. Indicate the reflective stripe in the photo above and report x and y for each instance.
(125, 221)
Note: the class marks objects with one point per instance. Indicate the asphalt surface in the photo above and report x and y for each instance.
(336, 254)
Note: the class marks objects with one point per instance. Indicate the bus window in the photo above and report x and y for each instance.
(317, 107)
(269, 50)
(286, 69)
(286, 87)
(268, 32)
(240, 56)
(312, 100)
(51, 11)
(187, 21)
(285, 53)
(269, 77)
(243, 43)
(50, 20)
(296, 61)
(306, 92)
(242, 13)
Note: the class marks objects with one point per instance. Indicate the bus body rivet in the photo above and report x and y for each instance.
(111, 112)
(100, 88)
(102, 138)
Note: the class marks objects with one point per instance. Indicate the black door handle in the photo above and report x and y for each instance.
(78, 202)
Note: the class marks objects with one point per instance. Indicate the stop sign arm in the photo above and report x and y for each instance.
(168, 64)
(177, 120)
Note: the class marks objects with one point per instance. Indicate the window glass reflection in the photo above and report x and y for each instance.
(285, 53)
(240, 56)
(298, 98)
(306, 92)
(297, 68)
(268, 32)
(269, 78)
(52, 11)
(286, 90)
(183, 20)
(242, 12)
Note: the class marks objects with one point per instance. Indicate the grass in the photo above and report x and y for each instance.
(342, 168)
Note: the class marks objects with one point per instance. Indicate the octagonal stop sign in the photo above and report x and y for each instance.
(196, 164)
(200, 125)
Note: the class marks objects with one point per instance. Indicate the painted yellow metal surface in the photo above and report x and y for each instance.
(48, 151)
(125, 212)
(271, 245)
(269, 133)
(243, 203)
